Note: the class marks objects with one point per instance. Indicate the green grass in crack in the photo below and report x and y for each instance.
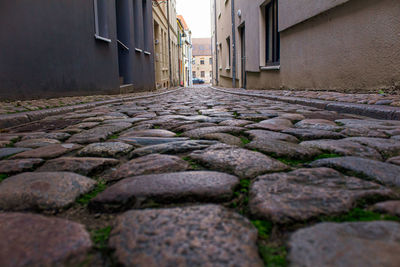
(178, 134)
(192, 163)
(235, 114)
(241, 194)
(264, 228)
(244, 140)
(100, 237)
(85, 199)
(156, 127)
(3, 176)
(360, 215)
(273, 256)
(114, 136)
(292, 162)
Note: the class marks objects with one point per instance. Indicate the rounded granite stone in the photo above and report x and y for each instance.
(206, 235)
(356, 244)
(35, 240)
(42, 190)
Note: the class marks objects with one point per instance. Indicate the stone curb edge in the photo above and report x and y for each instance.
(11, 120)
(373, 111)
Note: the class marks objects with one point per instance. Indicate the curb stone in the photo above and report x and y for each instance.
(373, 111)
(11, 120)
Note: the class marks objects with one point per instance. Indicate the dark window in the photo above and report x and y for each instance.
(145, 34)
(203, 74)
(228, 43)
(211, 61)
(202, 62)
(210, 74)
(272, 42)
(136, 23)
(194, 74)
(100, 15)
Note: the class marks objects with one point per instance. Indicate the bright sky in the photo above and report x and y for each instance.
(197, 16)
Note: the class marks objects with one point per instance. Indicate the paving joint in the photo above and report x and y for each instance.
(372, 111)
(12, 120)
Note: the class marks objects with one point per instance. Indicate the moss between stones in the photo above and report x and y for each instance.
(241, 197)
(360, 215)
(85, 199)
(244, 140)
(3, 176)
(114, 136)
(297, 162)
(192, 163)
(273, 256)
(100, 237)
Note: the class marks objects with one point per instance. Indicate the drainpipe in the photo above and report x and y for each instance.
(216, 42)
(169, 47)
(233, 45)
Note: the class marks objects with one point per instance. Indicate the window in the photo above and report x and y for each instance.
(210, 74)
(194, 74)
(272, 40)
(100, 17)
(136, 24)
(145, 34)
(202, 62)
(228, 60)
(211, 61)
(203, 74)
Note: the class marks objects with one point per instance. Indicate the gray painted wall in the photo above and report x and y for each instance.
(48, 49)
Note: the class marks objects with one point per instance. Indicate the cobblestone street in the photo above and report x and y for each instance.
(200, 177)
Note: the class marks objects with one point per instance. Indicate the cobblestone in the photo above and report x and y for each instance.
(281, 165)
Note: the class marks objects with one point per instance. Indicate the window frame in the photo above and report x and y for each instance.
(228, 61)
(272, 38)
(101, 36)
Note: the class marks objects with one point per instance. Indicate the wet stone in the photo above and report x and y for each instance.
(81, 165)
(235, 123)
(36, 143)
(198, 133)
(283, 149)
(56, 135)
(98, 134)
(318, 124)
(343, 147)
(148, 133)
(394, 160)
(264, 134)
(385, 173)
(172, 148)
(391, 207)
(355, 244)
(48, 152)
(304, 194)
(19, 165)
(224, 138)
(149, 141)
(204, 186)
(109, 149)
(42, 190)
(387, 147)
(312, 134)
(9, 151)
(35, 240)
(241, 162)
(272, 125)
(150, 164)
(188, 236)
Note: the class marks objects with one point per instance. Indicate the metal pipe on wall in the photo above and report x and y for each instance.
(216, 42)
(169, 47)
(233, 44)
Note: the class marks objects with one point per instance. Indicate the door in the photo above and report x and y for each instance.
(123, 40)
(243, 56)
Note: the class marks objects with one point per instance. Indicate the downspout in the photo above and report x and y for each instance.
(216, 42)
(179, 57)
(233, 45)
(169, 47)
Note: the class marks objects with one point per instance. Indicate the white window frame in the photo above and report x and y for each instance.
(97, 34)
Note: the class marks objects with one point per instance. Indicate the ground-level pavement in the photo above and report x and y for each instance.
(200, 177)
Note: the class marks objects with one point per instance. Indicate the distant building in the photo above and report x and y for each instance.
(185, 58)
(62, 48)
(202, 59)
(307, 44)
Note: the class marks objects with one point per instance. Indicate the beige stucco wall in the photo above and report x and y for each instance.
(353, 46)
(207, 67)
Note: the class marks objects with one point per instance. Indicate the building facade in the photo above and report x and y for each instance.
(344, 45)
(185, 52)
(202, 59)
(63, 48)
